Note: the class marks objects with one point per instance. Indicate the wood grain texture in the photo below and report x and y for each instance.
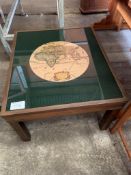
(119, 10)
(21, 130)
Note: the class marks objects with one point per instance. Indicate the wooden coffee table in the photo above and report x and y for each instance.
(28, 97)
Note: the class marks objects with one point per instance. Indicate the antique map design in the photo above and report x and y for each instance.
(59, 61)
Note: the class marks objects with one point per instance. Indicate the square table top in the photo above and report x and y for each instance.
(27, 91)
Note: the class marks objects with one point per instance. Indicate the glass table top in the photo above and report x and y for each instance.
(27, 90)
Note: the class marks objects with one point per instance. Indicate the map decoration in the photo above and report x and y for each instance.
(59, 61)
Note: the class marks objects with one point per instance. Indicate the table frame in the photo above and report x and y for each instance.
(17, 117)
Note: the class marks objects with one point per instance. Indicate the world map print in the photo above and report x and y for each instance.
(59, 61)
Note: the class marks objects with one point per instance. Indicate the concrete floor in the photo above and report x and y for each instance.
(71, 145)
(42, 6)
(67, 146)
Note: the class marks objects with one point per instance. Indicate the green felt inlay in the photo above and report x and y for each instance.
(107, 82)
(27, 42)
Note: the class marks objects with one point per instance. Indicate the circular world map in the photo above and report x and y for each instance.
(59, 61)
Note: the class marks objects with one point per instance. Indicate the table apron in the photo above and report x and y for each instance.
(59, 112)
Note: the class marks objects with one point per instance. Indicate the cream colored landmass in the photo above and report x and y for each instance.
(59, 61)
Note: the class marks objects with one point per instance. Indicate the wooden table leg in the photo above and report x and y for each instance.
(123, 116)
(107, 119)
(21, 130)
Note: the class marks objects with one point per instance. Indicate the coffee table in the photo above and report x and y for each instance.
(28, 97)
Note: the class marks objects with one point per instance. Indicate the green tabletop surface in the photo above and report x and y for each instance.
(27, 90)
